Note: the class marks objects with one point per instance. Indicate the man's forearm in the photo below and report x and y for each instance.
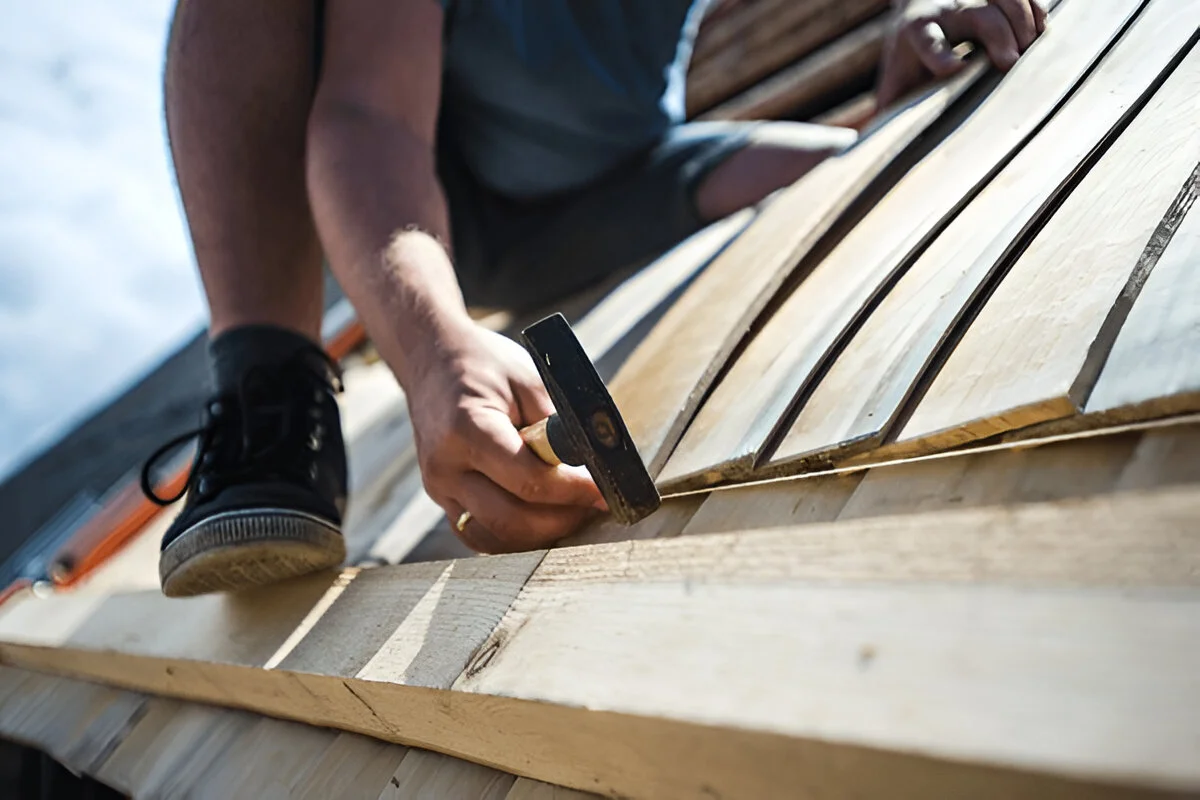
(382, 218)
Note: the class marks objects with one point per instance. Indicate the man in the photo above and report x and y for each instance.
(496, 152)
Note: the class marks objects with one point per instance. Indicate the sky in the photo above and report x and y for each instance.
(97, 283)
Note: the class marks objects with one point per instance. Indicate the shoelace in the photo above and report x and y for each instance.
(266, 444)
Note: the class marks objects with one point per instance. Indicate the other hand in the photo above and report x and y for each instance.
(466, 409)
(922, 45)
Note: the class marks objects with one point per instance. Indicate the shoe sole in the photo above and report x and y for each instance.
(243, 549)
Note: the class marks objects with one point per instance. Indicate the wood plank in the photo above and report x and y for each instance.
(1154, 366)
(639, 668)
(793, 30)
(819, 498)
(852, 57)
(737, 420)
(76, 722)
(1056, 469)
(669, 520)
(527, 789)
(1033, 352)
(432, 776)
(855, 404)
(270, 758)
(664, 379)
(353, 766)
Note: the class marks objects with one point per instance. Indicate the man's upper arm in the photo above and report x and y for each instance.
(384, 57)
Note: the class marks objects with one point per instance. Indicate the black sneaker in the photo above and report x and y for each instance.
(267, 488)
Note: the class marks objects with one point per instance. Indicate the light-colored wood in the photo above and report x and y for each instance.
(1164, 457)
(528, 789)
(1154, 366)
(1073, 469)
(854, 405)
(352, 766)
(669, 520)
(74, 721)
(791, 31)
(172, 738)
(816, 499)
(1033, 351)
(778, 364)
(269, 759)
(854, 113)
(853, 56)
(1025, 651)
(432, 776)
(664, 379)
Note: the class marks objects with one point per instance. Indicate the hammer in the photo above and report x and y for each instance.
(587, 429)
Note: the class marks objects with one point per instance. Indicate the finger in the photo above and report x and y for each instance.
(501, 454)
(473, 535)
(1019, 14)
(1040, 17)
(533, 401)
(515, 526)
(929, 43)
(988, 26)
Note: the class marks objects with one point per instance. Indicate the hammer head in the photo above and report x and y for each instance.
(590, 419)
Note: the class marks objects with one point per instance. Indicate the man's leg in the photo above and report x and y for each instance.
(239, 84)
(777, 155)
(699, 173)
(267, 489)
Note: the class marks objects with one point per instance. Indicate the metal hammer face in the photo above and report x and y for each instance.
(588, 429)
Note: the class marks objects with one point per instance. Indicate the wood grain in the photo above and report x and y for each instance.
(1154, 366)
(852, 57)
(790, 29)
(638, 668)
(664, 379)
(737, 420)
(855, 404)
(1031, 354)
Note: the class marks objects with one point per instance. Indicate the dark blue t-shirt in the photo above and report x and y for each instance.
(541, 96)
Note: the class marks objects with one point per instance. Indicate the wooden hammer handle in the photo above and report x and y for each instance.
(539, 442)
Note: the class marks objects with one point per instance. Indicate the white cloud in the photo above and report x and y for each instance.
(96, 276)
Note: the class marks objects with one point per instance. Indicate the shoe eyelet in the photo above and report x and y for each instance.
(202, 488)
(215, 409)
(312, 472)
(207, 459)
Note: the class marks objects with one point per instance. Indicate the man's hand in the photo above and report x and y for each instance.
(922, 46)
(466, 409)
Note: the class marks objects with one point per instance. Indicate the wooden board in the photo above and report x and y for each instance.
(854, 405)
(852, 57)
(737, 420)
(1057, 469)
(1154, 366)
(1033, 352)
(225, 753)
(664, 379)
(1041, 650)
(789, 30)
